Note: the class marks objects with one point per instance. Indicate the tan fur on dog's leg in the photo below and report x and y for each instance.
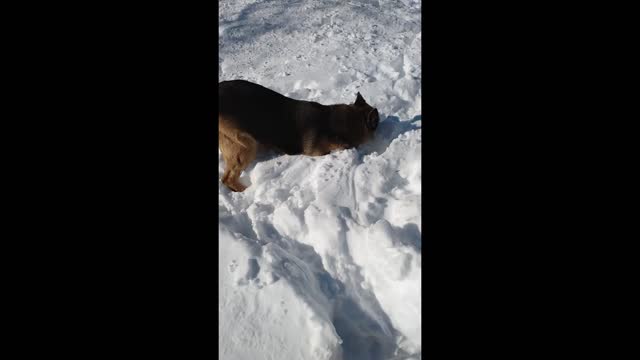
(238, 152)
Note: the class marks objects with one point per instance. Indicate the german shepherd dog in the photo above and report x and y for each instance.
(251, 115)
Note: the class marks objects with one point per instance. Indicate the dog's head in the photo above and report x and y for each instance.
(361, 121)
(369, 115)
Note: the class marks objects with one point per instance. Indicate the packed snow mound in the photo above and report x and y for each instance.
(320, 257)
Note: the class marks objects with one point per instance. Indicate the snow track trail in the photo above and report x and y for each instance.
(320, 257)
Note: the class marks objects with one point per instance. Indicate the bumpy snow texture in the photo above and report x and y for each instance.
(320, 257)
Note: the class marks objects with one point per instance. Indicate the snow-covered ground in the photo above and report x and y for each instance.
(320, 257)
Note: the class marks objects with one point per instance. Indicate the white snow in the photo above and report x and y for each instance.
(320, 257)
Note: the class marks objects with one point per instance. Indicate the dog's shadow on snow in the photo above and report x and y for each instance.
(388, 130)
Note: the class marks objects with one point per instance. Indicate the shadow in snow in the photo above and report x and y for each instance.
(363, 336)
(388, 130)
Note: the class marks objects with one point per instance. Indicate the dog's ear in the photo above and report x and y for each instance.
(360, 100)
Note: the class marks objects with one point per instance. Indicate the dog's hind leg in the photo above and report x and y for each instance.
(238, 152)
